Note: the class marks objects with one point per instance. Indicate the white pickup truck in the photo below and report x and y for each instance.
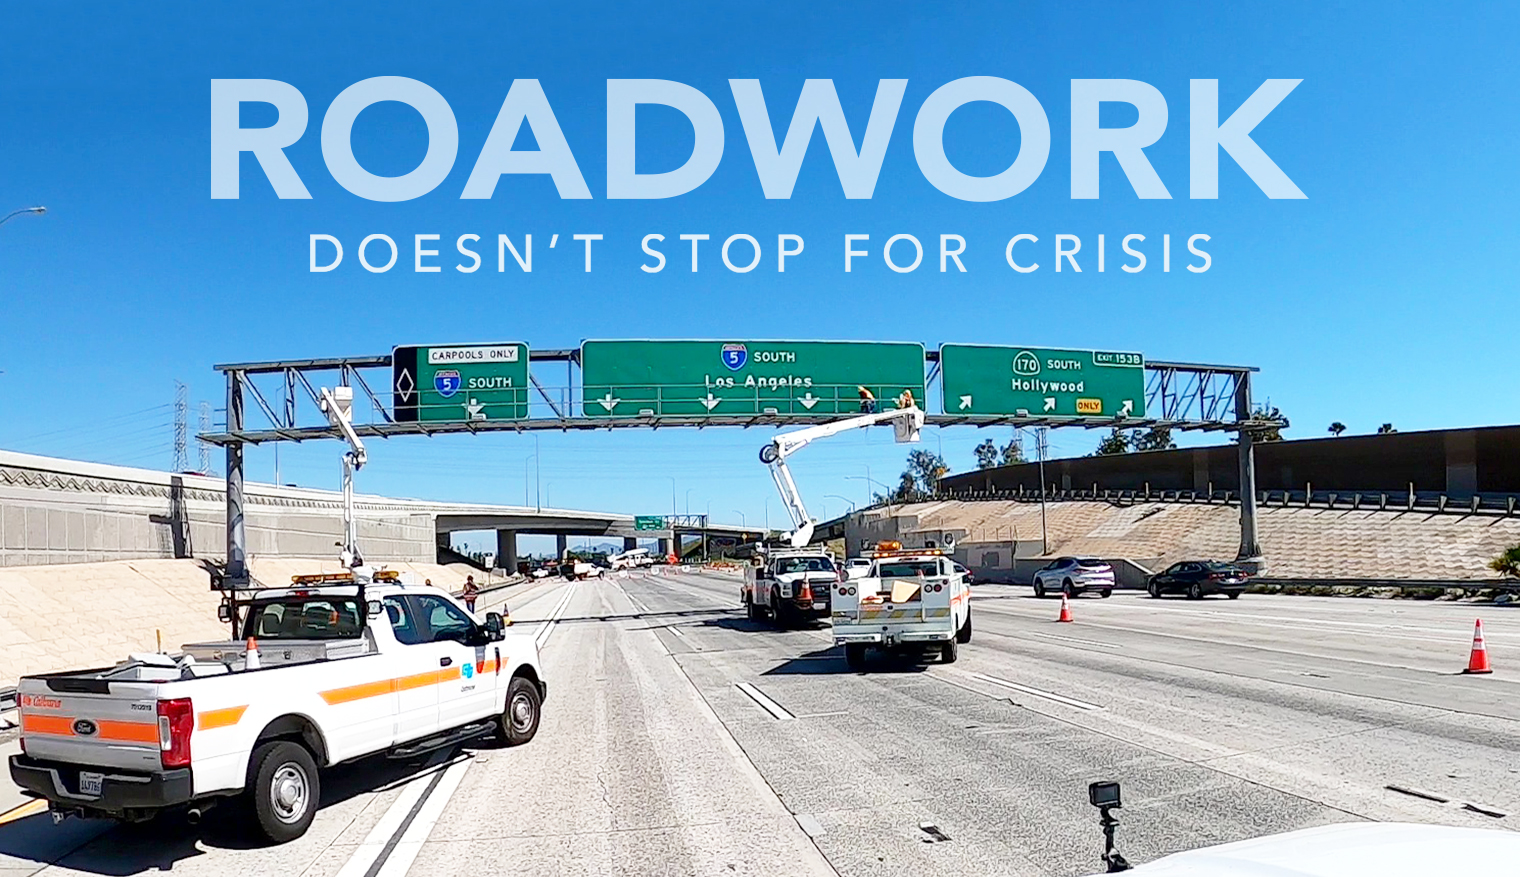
(339, 671)
(909, 598)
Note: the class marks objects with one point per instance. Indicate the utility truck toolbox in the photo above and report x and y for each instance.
(335, 668)
(908, 598)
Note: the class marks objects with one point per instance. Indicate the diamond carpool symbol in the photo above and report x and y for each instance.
(405, 386)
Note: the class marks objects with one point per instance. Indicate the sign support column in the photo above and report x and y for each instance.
(1250, 554)
(237, 546)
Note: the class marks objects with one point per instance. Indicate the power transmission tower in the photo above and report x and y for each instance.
(205, 427)
(181, 427)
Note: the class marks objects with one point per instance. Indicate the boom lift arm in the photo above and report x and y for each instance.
(906, 422)
(338, 405)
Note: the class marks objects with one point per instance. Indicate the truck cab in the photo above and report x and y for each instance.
(789, 586)
(908, 599)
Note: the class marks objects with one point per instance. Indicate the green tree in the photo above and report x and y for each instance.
(927, 469)
(1279, 422)
(1337, 428)
(1013, 453)
(1116, 442)
(986, 454)
(1507, 564)
(1386, 429)
(1157, 438)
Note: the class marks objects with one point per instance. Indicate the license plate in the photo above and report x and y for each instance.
(820, 606)
(89, 783)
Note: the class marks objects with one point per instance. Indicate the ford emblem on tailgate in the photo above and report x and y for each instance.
(85, 727)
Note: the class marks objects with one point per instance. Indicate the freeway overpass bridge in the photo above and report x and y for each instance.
(55, 510)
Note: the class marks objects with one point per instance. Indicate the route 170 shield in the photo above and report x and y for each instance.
(446, 382)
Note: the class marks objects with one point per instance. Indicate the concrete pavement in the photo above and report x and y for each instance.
(680, 738)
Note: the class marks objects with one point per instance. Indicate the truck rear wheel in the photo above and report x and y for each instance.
(964, 634)
(752, 611)
(284, 789)
(855, 655)
(948, 651)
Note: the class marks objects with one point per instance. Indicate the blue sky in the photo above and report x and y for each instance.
(1385, 296)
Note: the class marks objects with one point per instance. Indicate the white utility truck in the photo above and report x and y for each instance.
(336, 667)
(789, 585)
(909, 598)
(327, 671)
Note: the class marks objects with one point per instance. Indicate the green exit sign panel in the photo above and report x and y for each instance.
(695, 378)
(460, 383)
(649, 522)
(1041, 382)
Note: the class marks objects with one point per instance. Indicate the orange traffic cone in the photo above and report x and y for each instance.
(251, 658)
(1477, 662)
(1065, 610)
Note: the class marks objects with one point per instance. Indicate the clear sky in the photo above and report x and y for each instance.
(1385, 295)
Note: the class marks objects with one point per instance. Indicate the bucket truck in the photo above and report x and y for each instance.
(907, 419)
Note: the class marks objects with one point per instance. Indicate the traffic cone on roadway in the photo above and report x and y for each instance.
(1065, 610)
(1477, 661)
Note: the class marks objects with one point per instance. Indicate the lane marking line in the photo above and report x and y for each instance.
(22, 811)
(547, 626)
(421, 821)
(1071, 639)
(776, 710)
(1071, 702)
(376, 845)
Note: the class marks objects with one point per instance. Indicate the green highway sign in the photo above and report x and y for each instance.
(649, 522)
(1038, 382)
(695, 378)
(460, 383)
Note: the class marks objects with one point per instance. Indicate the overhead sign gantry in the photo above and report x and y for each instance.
(446, 388)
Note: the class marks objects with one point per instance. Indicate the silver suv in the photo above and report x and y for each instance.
(1073, 575)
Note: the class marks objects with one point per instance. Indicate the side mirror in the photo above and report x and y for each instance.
(495, 626)
(224, 613)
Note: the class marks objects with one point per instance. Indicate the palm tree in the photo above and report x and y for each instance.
(1507, 564)
(1337, 428)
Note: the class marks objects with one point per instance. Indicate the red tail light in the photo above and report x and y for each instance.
(176, 719)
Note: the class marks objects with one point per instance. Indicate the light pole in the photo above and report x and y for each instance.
(847, 500)
(743, 521)
(1039, 441)
(35, 211)
(688, 499)
(673, 510)
(767, 516)
(538, 502)
(534, 459)
(705, 515)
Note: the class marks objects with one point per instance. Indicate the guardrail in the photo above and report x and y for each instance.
(1501, 505)
(1471, 587)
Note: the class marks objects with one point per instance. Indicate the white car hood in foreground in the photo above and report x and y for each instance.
(1369, 849)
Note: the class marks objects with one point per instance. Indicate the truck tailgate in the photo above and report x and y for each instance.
(92, 722)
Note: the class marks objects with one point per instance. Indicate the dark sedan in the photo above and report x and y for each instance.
(1198, 579)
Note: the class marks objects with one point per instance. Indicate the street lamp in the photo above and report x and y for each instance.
(849, 501)
(673, 510)
(688, 499)
(35, 211)
(534, 459)
(743, 521)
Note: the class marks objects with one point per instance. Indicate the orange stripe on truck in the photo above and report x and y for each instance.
(106, 729)
(349, 693)
(222, 718)
(363, 690)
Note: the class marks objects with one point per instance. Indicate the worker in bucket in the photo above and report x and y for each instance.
(867, 401)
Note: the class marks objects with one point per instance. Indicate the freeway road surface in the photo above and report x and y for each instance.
(679, 738)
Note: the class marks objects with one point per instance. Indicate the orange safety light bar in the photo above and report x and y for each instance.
(323, 578)
(387, 575)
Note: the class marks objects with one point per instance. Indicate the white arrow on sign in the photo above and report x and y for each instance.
(1129, 405)
(808, 401)
(609, 401)
(710, 402)
(965, 402)
(474, 410)
(1050, 403)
